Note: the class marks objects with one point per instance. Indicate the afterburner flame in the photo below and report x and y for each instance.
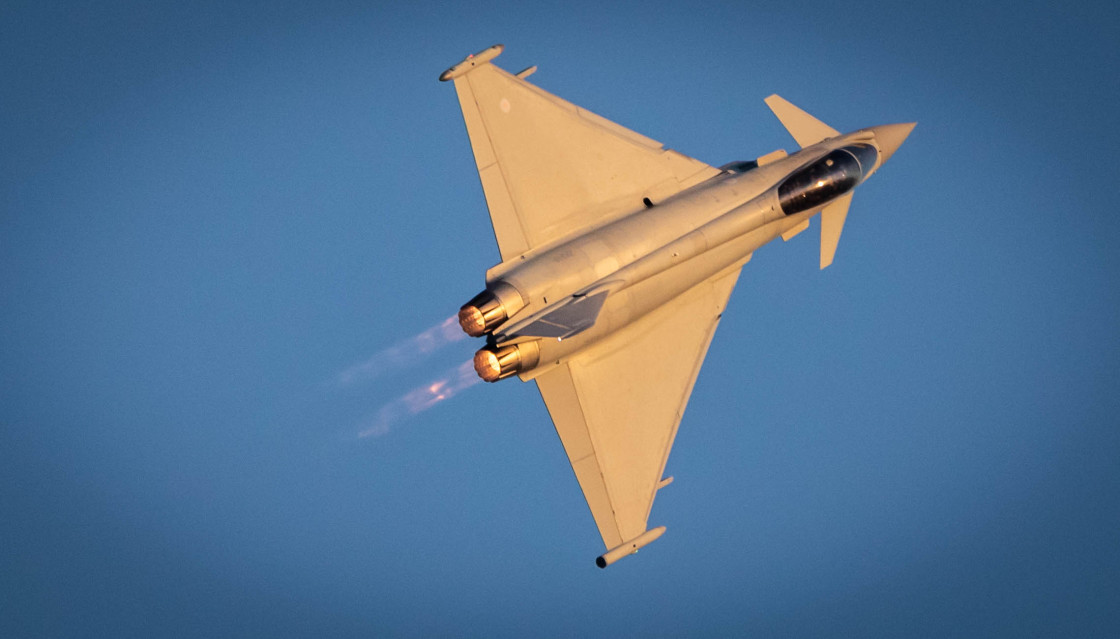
(472, 321)
(487, 366)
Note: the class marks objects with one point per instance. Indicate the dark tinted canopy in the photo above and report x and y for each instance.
(825, 179)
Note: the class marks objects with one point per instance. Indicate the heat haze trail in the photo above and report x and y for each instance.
(452, 382)
(404, 353)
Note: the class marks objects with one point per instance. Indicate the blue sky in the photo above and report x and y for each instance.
(219, 221)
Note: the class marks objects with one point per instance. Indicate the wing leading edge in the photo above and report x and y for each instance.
(617, 406)
(550, 168)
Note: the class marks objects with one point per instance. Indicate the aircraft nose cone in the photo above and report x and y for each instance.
(891, 136)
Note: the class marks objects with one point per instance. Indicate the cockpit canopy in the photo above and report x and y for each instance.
(827, 178)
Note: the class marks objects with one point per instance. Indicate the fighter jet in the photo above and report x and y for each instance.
(617, 259)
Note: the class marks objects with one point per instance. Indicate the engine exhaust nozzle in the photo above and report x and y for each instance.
(500, 362)
(489, 309)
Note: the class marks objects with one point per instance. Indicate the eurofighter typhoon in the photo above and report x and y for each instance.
(618, 256)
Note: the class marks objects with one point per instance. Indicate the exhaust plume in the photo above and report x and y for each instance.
(403, 353)
(420, 399)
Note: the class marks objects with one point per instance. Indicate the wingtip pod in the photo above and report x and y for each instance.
(629, 547)
(471, 62)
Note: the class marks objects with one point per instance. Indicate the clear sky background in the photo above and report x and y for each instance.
(223, 227)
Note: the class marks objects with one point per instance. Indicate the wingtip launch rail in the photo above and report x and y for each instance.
(472, 61)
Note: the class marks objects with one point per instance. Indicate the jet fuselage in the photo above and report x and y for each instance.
(619, 257)
(645, 259)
